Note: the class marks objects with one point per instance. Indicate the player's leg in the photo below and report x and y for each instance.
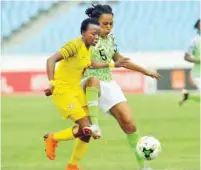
(81, 143)
(82, 129)
(122, 113)
(185, 95)
(80, 148)
(92, 90)
(70, 109)
(91, 87)
(79, 151)
(112, 99)
(65, 135)
(194, 97)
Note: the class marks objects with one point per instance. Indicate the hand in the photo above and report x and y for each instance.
(122, 62)
(49, 91)
(153, 75)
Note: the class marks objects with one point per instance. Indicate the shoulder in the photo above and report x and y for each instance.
(194, 43)
(195, 40)
(72, 47)
(76, 43)
(111, 37)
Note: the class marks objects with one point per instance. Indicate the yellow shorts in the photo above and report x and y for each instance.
(70, 103)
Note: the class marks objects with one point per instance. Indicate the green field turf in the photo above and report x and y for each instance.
(26, 119)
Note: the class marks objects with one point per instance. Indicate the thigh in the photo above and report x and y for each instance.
(111, 95)
(81, 97)
(122, 113)
(90, 82)
(69, 106)
(197, 82)
(83, 83)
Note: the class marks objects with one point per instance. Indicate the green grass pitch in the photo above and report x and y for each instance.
(26, 118)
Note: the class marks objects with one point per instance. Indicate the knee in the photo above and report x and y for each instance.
(85, 139)
(93, 81)
(129, 128)
(79, 133)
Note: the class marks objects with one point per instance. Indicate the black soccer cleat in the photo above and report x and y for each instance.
(185, 95)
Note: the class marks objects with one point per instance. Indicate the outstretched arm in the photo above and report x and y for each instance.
(119, 63)
(189, 58)
(132, 66)
(97, 64)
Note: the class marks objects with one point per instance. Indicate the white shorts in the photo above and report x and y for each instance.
(196, 81)
(111, 94)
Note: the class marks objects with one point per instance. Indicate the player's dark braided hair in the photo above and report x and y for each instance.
(86, 23)
(97, 10)
(197, 24)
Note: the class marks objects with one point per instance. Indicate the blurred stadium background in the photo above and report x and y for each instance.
(154, 34)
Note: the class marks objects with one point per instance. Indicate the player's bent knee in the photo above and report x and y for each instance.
(128, 129)
(93, 81)
(85, 139)
(79, 133)
(82, 132)
(75, 130)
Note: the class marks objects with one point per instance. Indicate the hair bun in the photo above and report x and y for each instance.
(97, 10)
(89, 11)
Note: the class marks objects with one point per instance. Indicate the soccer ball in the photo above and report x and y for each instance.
(148, 148)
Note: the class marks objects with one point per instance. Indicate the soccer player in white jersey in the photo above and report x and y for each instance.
(111, 98)
(193, 55)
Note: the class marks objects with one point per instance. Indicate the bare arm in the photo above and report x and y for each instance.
(189, 58)
(50, 66)
(119, 63)
(132, 66)
(68, 50)
(97, 64)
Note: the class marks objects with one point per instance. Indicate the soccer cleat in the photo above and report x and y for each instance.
(87, 131)
(96, 132)
(72, 167)
(145, 167)
(96, 136)
(185, 95)
(51, 145)
(93, 131)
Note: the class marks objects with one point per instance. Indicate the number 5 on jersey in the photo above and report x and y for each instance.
(102, 54)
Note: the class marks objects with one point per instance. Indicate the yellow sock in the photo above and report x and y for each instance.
(64, 135)
(79, 151)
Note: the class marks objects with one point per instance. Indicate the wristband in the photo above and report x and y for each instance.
(111, 65)
(52, 83)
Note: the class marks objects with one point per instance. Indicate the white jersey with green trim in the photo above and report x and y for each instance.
(102, 52)
(194, 51)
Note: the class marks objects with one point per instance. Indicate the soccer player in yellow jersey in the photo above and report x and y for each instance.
(74, 58)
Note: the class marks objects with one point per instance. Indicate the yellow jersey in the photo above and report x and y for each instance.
(70, 70)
